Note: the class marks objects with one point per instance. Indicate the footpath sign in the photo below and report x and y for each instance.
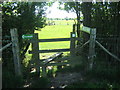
(27, 36)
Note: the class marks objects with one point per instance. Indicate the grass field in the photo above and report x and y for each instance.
(61, 30)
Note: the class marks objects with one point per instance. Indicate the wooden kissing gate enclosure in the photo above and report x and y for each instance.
(37, 62)
(44, 63)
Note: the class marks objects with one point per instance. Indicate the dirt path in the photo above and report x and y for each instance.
(64, 79)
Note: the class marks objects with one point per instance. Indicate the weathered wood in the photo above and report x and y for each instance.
(57, 64)
(86, 29)
(54, 40)
(6, 46)
(92, 47)
(72, 44)
(44, 74)
(52, 58)
(35, 54)
(16, 52)
(114, 56)
(1, 45)
(52, 50)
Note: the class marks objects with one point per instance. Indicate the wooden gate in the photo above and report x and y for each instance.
(44, 63)
(37, 62)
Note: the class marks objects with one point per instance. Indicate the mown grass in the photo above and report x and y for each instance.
(62, 22)
(60, 30)
(55, 31)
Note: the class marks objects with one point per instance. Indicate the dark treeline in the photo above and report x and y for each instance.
(20, 15)
(105, 17)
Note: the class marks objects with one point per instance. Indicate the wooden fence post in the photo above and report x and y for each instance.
(44, 73)
(74, 27)
(0, 46)
(92, 47)
(16, 51)
(35, 55)
(72, 44)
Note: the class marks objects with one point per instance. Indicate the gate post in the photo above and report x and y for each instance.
(35, 55)
(16, 51)
(92, 47)
(72, 44)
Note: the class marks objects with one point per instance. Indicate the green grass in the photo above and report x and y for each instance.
(62, 22)
(55, 31)
(61, 30)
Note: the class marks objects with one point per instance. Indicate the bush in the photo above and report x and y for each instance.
(9, 80)
(102, 84)
(40, 83)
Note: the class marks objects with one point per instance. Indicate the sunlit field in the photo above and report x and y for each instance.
(61, 29)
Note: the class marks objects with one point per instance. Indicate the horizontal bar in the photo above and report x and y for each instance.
(5, 46)
(52, 57)
(52, 50)
(57, 64)
(54, 40)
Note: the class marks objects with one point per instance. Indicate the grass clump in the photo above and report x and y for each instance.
(40, 83)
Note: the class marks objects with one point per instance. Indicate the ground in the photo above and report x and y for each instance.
(64, 79)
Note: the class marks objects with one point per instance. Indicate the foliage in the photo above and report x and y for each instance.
(25, 16)
(40, 83)
(103, 84)
(9, 80)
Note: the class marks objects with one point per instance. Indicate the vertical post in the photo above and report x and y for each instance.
(16, 52)
(44, 71)
(78, 33)
(74, 27)
(72, 44)
(35, 55)
(0, 46)
(92, 47)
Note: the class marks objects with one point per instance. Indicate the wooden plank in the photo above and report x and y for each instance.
(57, 64)
(54, 40)
(16, 51)
(52, 50)
(86, 29)
(52, 58)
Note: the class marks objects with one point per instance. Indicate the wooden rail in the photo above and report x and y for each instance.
(51, 50)
(6, 46)
(54, 40)
(114, 56)
(52, 58)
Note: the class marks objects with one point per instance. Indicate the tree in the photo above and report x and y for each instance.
(23, 16)
(73, 7)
